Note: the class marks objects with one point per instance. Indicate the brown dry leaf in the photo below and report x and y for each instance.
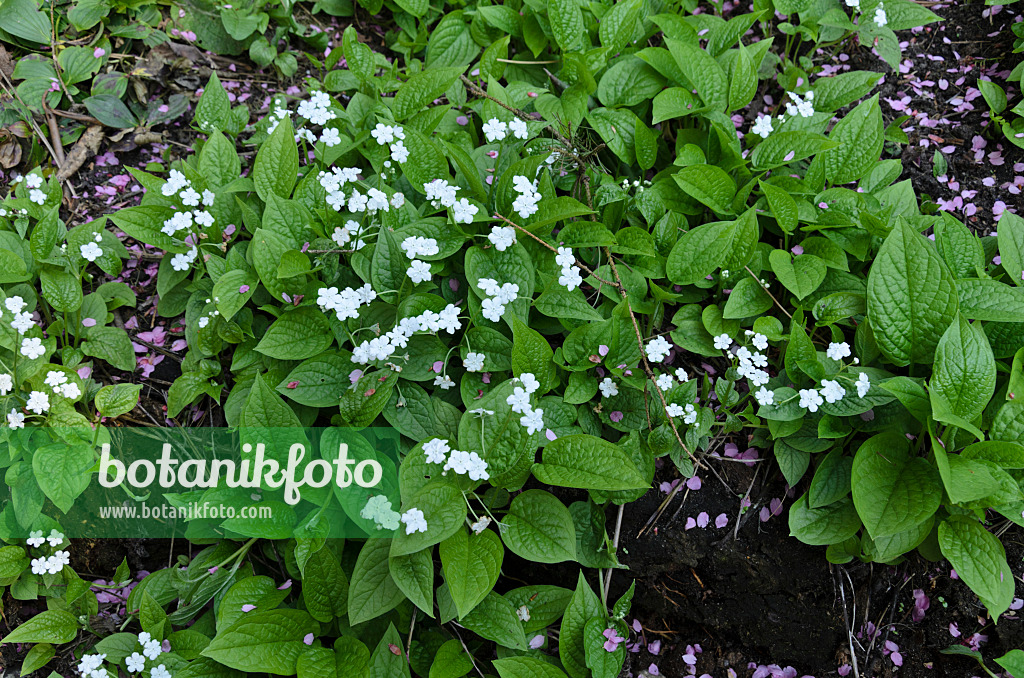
(10, 150)
(87, 146)
(6, 63)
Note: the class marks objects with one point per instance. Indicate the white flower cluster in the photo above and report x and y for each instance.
(36, 538)
(349, 233)
(317, 109)
(496, 130)
(798, 105)
(205, 320)
(22, 322)
(384, 346)
(134, 663)
(378, 509)
(439, 451)
(570, 277)
(35, 194)
(184, 220)
(58, 381)
(532, 419)
(394, 139)
(51, 564)
(688, 413)
(418, 246)
(880, 18)
(91, 251)
(347, 302)
(525, 205)
(442, 194)
(830, 391)
(498, 296)
(657, 349)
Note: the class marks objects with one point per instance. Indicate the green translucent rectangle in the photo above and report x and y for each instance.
(197, 483)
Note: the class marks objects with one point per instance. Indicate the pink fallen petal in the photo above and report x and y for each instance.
(88, 322)
(721, 521)
(308, 639)
(248, 607)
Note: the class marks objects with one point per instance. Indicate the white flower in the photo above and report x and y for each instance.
(855, 4)
(15, 304)
(674, 410)
(765, 397)
(492, 309)
(565, 257)
(758, 360)
(330, 137)
(37, 196)
(151, 648)
(6, 384)
(760, 341)
(208, 197)
(203, 218)
(54, 379)
(160, 672)
(723, 342)
(399, 153)
(35, 539)
(91, 251)
(665, 382)
(502, 237)
(525, 205)
(22, 322)
(463, 211)
(32, 347)
(519, 401)
(38, 402)
(880, 17)
(467, 463)
(657, 349)
(494, 130)
(39, 565)
(71, 391)
(436, 450)
(608, 388)
(90, 662)
(384, 134)
(480, 525)
(135, 663)
(190, 197)
(800, 106)
(570, 278)
(529, 382)
(810, 399)
(863, 385)
(175, 182)
(144, 637)
(519, 128)
(378, 509)
(838, 351)
(691, 414)
(414, 521)
(445, 382)
(204, 321)
(682, 376)
(832, 391)
(474, 362)
(763, 126)
(416, 246)
(397, 200)
(523, 613)
(533, 420)
(419, 271)
(33, 181)
(181, 262)
(15, 419)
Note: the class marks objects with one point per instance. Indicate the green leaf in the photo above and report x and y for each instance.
(324, 586)
(62, 472)
(980, 560)
(893, 490)
(117, 399)
(583, 607)
(111, 344)
(421, 89)
(372, 591)
(37, 657)
(62, 290)
(801, 275)
(451, 661)
(673, 102)
(49, 626)
(860, 136)
(911, 297)
(471, 565)
(960, 248)
(1011, 246)
(965, 369)
(990, 300)
(831, 480)
(259, 591)
(444, 509)
(414, 575)
(830, 524)
(526, 667)
(110, 110)
(264, 642)
(589, 463)
(212, 111)
(567, 25)
(701, 250)
(298, 334)
(701, 69)
(782, 205)
(1005, 454)
(782, 148)
(602, 663)
(539, 527)
(276, 167)
(144, 223)
(748, 299)
(23, 19)
(709, 184)
(385, 662)
(1012, 662)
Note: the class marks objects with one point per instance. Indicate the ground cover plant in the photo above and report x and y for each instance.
(562, 250)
